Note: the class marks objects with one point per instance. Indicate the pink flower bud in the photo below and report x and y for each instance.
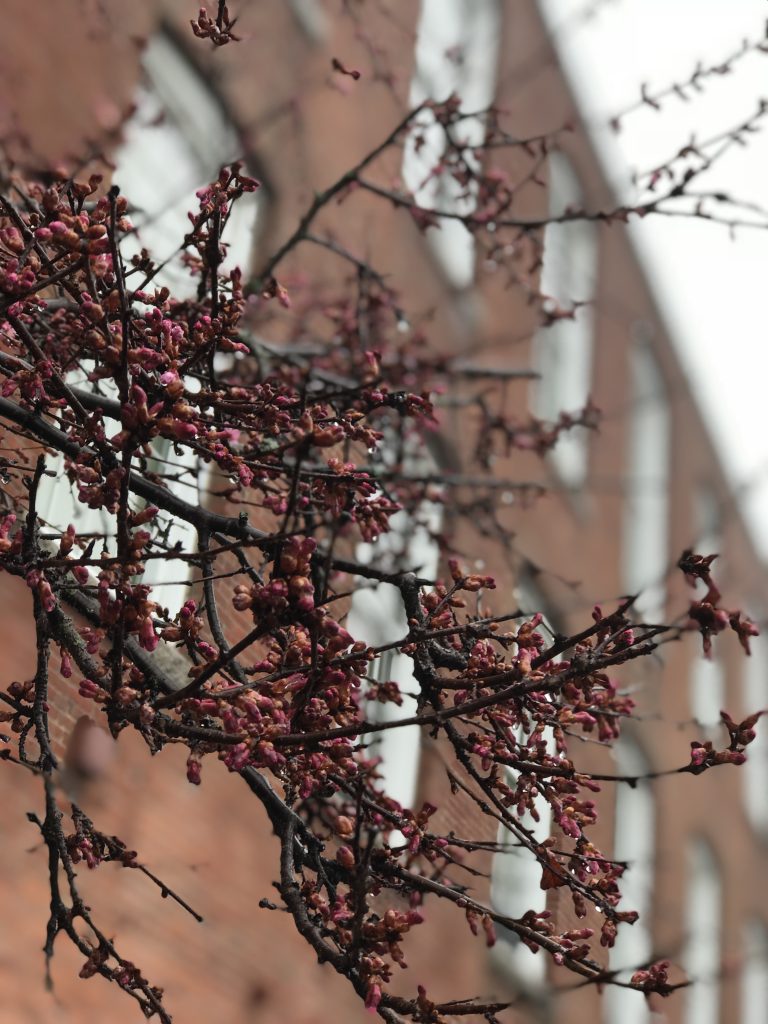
(81, 574)
(373, 997)
(147, 636)
(46, 595)
(90, 690)
(183, 431)
(193, 771)
(345, 857)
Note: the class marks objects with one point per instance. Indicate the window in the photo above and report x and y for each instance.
(516, 888)
(59, 506)
(377, 617)
(176, 142)
(563, 350)
(755, 683)
(707, 519)
(515, 872)
(634, 843)
(701, 957)
(456, 52)
(707, 690)
(707, 677)
(754, 974)
(184, 475)
(311, 17)
(646, 500)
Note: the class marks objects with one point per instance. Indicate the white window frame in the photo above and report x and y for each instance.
(563, 351)
(515, 889)
(446, 28)
(708, 519)
(634, 843)
(377, 617)
(515, 872)
(59, 506)
(176, 142)
(703, 924)
(312, 18)
(755, 698)
(646, 501)
(708, 686)
(707, 676)
(754, 973)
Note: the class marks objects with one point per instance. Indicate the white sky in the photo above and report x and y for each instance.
(711, 290)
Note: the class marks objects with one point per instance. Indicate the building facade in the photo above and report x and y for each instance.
(620, 506)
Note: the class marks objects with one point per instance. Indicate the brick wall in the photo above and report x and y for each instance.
(213, 844)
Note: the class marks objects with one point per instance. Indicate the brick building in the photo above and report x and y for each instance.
(622, 504)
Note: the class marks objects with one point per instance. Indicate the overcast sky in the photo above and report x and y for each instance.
(713, 291)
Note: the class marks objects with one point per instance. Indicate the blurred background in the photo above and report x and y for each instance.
(666, 339)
